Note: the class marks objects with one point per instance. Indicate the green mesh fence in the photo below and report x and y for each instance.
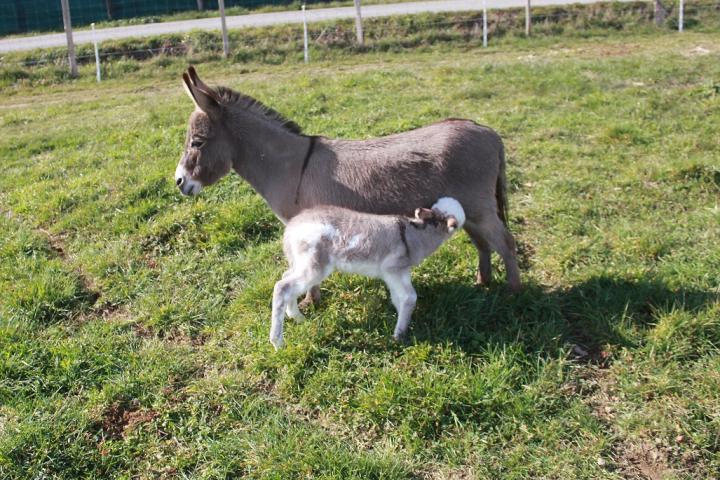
(20, 16)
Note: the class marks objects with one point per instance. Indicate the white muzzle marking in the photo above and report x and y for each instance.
(187, 185)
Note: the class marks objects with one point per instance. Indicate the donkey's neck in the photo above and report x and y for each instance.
(270, 158)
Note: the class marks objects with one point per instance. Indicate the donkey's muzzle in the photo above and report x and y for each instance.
(186, 184)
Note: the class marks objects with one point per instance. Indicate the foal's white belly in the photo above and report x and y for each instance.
(367, 269)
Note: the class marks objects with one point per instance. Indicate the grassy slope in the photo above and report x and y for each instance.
(134, 322)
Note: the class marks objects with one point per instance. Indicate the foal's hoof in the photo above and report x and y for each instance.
(277, 343)
(297, 315)
(400, 338)
(311, 298)
(306, 303)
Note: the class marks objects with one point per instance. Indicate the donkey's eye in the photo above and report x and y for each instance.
(197, 143)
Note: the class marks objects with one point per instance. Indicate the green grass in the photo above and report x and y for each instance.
(134, 322)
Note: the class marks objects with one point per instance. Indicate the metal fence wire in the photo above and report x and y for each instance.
(23, 16)
(377, 32)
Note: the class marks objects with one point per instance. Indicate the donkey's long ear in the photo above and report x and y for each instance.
(195, 79)
(203, 97)
(187, 84)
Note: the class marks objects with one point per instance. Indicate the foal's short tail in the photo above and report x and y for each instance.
(501, 189)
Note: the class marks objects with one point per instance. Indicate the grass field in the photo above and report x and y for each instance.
(134, 322)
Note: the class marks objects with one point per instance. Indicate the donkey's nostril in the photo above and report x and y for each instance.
(179, 181)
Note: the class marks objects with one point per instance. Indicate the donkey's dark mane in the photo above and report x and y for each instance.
(231, 98)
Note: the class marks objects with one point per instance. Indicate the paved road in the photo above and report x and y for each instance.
(263, 19)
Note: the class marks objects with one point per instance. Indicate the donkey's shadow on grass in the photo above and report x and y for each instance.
(597, 312)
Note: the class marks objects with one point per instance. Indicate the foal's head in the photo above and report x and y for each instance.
(208, 153)
(447, 214)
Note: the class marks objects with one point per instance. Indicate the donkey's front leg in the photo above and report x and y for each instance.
(403, 297)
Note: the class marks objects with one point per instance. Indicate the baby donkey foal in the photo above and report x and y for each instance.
(320, 240)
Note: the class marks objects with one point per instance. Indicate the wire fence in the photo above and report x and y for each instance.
(380, 33)
(23, 16)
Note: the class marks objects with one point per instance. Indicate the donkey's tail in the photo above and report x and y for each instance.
(501, 188)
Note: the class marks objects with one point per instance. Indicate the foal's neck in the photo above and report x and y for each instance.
(424, 241)
(270, 159)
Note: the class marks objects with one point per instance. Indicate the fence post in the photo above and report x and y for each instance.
(484, 23)
(226, 47)
(200, 5)
(527, 18)
(681, 14)
(358, 24)
(68, 34)
(305, 35)
(660, 13)
(97, 53)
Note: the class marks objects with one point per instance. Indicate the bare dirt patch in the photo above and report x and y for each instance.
(171, 335)
(118, 420)
(643, 460)
(633, 458)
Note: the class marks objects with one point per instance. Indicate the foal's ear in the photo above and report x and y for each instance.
(424, 213)
(202, 96)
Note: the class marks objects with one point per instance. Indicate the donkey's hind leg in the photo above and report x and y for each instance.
(492, 231)
(484, 273)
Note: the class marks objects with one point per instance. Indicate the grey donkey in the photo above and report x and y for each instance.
(323, 239)
(388, 175)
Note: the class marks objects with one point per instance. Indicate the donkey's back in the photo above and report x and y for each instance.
(393, 174)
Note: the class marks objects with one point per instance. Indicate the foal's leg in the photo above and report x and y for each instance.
(312, 297)
(285, 295)
(293, 311)
(280, 297)
(492, 230)
(292, 285)
(403, 298)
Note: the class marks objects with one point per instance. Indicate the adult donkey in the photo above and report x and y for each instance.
(388, 175)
